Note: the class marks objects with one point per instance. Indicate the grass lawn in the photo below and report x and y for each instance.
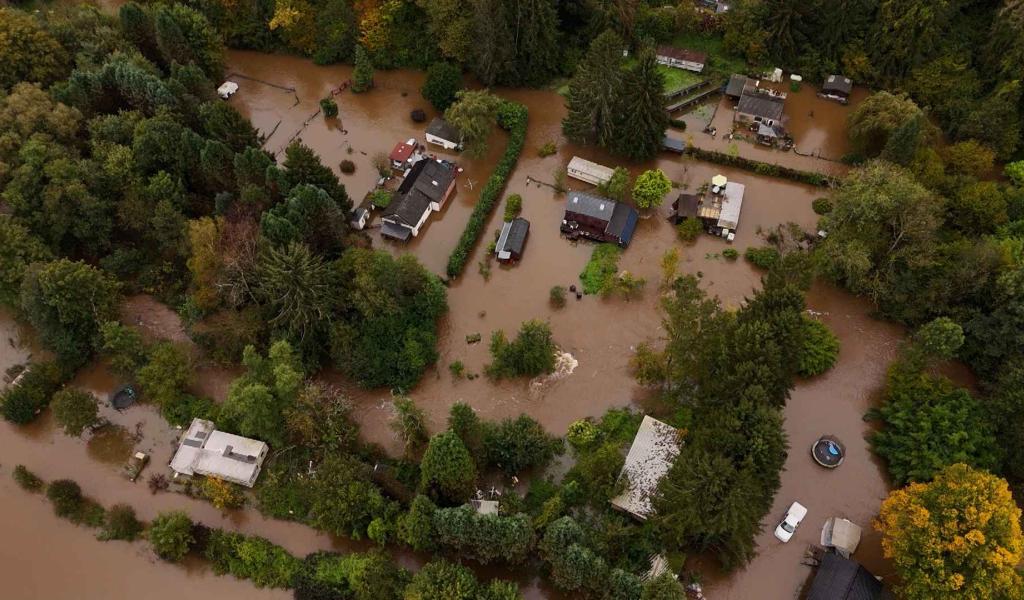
(677, 78)
(720, 63)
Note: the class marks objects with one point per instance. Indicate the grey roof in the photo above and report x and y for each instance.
(427, 182)
(408, 208)
(444, 130)
(837, 83)
(512, 237)
(394, 231)
(736, 85)
(623, 222)
(590, 205)
(671, 143)
(761, 105)
(840, 578)
(686, 205)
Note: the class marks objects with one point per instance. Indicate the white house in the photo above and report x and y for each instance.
(654, 449)
(681, 58)
(439, 132)
(591, 172)
(205, 451)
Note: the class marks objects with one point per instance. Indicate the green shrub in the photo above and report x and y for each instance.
(66, 497)
(20, 404)
(583, 434)
(26, 479)
(518, 444)
(74, 410)
(347, 167)
(444, 80)
(730, 254)
(689, 230)
(765, 257)
(170, 534)
(601, 269)
(381, 198)
(547, 149)
(458, 370)
(678, 124)
(822, 206)
(820, 349)
(121, 524)
(557, 296)
(513, 206)
(751, 165)
(531, 353)
(252, 558)
(484, 538)
(513, 118)
(329, 108)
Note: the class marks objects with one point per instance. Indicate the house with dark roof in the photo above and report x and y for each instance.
(599, 219)
(443, 134)
(836, 87)
(426, 188)
(734, 89)
(512, 240)
(681, 58)
(760, 105)
(685, 207)
(839, 578)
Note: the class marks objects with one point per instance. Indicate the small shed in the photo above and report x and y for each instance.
(654, 449)
(672, 144)
(732, 204)
(441, 133)
(839, 578)
(841, 535)
(681, 58)
(591, 172)
(359, 218)
(512, 240)
(685, 207)
(401, 153)
(838, 88)
(227, 89)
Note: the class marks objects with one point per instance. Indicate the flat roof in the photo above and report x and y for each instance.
(593, 169)
(654, 449)
(732, 204)
(206, 451)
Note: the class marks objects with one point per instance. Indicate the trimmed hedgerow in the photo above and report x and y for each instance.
(511, 117)
(761, 168)
(252, 558)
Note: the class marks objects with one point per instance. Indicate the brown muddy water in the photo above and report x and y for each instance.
(600, 334)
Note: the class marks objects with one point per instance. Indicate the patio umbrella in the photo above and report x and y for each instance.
(719, 180)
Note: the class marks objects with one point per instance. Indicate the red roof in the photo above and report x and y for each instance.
(402, 151)
(683, 54)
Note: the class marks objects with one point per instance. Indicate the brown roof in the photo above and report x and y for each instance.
(683, 54)
(402, 151)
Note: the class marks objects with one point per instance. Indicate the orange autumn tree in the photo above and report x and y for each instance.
(958, 536)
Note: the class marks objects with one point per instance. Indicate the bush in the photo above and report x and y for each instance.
(252, 558)
(484, 538)
(583, 434)
(601, 269)
(547, 149)
(381, 198)
(171, 535)
(689, 230)
(512, 117)
(444, 80)
(121, 524)
(820, 349)
(557, 296)
(517, 444)
(418, 115)
(730, 254)
(74, 410)
(513, 206)
(457, 369)
(66, 497)
(531, 353)
(678, 124)
(26, 479)
(822, 206)
(329, 108)
(763, 258)
(447, 471)
(20, 404)
(222, 494)
(347, 167)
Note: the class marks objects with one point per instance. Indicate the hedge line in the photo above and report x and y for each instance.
(511, 117)
(761, 168)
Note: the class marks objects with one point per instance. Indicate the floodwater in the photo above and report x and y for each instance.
(599, 333)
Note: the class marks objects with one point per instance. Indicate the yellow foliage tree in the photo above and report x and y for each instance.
(222, 494)
(205, 261)
(296, 19)
(958, 536)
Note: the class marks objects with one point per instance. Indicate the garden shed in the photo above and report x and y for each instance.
(654, 449)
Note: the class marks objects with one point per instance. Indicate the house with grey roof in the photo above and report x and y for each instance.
(599, 219)
(425, 189)
(836, 87)
(650, 457)
(205, 451)
(444, 134)
(760, 105)
(512, 240)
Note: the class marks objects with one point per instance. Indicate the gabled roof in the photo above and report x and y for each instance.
(839, 578)
(736, 85)
(590, 205)
(686, 205)
(623, 223)
(402, 151)
(427, 182)
(837, 83)
(682, 54)
(512, 237)
(444, 130)
(761, 105)
(654, 449)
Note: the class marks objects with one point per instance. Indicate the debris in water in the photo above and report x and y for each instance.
(473, 338)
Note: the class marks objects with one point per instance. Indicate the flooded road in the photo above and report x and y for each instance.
(599, 333)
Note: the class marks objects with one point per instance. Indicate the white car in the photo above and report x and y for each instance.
(794, 515)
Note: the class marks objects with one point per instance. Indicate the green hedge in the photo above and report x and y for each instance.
(761, 168)
(512, 117)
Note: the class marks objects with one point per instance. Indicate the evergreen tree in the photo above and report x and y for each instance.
(903, 142)
(640, 119)
(593, 91)
(362, 74)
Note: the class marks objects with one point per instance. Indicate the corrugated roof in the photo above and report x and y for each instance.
(206, 451)
(732, 204)
(582, 165)
(654, 448)
(402, 151)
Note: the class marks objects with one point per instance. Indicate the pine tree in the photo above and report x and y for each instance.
(903, 142)
(593, 91)
(362, 75)
(640, 117)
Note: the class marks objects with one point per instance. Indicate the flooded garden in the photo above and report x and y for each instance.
(280, 95)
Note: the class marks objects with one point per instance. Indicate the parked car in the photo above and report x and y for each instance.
(794, 515)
